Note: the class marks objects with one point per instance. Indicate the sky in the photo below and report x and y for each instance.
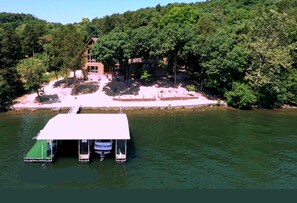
(71, 11)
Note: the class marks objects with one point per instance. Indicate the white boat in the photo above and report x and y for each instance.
(103, 143)
(103, 147)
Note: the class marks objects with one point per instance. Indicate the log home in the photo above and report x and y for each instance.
(94, 68)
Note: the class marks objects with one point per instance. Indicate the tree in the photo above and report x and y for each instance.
(5, 92)
(72, 49)
(115, 47)
(9, 47)
(65, 49)
(30, 35)
(9, 57)
(292, 88)
(32, 72)
(53, 48)
(144, 42)
(223, 60)
(180, 15)
(86, 28)
(268, 44)
(173, 43)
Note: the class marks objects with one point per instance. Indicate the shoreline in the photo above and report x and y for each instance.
(144, 110)
(147, 97)
(126, 106)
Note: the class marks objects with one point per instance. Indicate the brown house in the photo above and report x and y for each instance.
(94, 68)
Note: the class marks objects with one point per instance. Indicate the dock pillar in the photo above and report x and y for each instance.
(84, 150)
(121, 151)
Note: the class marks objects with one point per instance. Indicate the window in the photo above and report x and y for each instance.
(93, 69)
(91, 58)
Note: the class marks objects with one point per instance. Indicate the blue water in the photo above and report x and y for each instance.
(170, 149)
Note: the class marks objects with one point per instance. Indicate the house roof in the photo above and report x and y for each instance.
(94, 39)
(86, 126)
(91, 40)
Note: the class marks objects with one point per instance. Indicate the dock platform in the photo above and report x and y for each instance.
(39, 153)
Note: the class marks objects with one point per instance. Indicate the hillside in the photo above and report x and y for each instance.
(243, 51)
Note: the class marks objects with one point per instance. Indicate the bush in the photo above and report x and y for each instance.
(191, 87)
(292, 88)
(240, 96)
(85, 88)
(145, 76)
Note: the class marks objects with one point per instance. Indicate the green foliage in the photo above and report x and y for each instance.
(145, 75)
(268, 45)
(9, 56)
(180, 15)
(65, 49)
(72, 48)
(4, 92)
(292, 88)
(242, 49)
(241, 96)
(29, 35)
(113, 48)
(14, 20)
(222, 60)
(9, 47)
(32, 72)
(86, 88)
(191, 87)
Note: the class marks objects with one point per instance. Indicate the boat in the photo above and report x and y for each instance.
(103, 147)
(103, 142)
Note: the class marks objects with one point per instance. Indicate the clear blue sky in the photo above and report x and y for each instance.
(70, 11)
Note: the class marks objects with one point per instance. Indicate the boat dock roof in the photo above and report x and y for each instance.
(86, 126)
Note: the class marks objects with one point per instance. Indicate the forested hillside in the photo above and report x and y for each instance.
(244, 51)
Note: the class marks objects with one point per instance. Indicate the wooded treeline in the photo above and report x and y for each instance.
(243, 51)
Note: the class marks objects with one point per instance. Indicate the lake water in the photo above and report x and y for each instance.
(170, 149)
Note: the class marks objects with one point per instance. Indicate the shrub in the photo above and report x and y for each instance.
(240, 96)
(145, 76)
(86, 88)
(191, 87)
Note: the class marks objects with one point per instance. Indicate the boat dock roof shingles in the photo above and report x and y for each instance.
(86, 126)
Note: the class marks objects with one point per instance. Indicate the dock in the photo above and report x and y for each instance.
(85, 128)
(44, 151)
